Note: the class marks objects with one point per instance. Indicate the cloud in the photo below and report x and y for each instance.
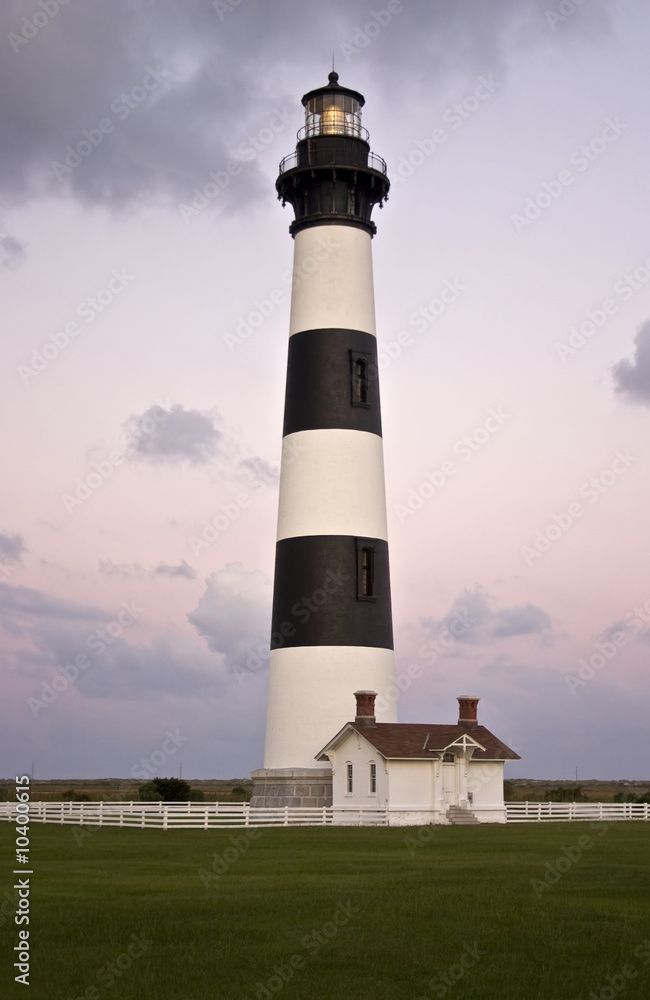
(135, 571)
(234, 614)
(183, 570)
(474, 620)
(24, 601)
(260, 469)
(174, 436)
(12, 547)
(181, 102)
(12, 251)
(632, 376)
(132, 571)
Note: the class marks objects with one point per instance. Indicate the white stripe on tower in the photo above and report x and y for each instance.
(332, 624)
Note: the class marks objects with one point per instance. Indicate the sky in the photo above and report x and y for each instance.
(146, 267)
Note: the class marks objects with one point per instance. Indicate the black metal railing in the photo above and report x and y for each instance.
(307, 157)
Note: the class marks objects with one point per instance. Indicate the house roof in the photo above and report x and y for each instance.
(420, 741)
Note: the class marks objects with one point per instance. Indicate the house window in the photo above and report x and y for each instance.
(349, 781)
(448, 758)
(359, 378)
(365, 571)
(373, 778)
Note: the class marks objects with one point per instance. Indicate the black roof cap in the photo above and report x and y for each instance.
(333, 87)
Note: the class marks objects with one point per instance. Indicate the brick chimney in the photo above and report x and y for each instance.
(365, 707)
(467, 705)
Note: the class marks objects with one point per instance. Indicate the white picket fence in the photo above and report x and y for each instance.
(191, 815)
(534, 812)
(220, 815)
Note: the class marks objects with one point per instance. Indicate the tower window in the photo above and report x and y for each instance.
(349, 779)
(359, 378)
(365, 571)
(373, 778)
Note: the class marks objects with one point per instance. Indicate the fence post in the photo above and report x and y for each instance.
(286, 815)
(164, 818)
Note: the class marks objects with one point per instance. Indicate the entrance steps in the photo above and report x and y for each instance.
(461, 817)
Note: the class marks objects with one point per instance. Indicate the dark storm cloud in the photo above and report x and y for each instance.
(12, 547)
(173, 436)
(632, 376)
(473, 619)
(171, 93)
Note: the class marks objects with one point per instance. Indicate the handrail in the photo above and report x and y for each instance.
(291, 161)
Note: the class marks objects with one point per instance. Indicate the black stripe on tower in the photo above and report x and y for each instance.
(332, 381)
(331, 590)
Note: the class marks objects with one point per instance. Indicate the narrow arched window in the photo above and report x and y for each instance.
(349, 779)
(373, 778)
(366, 588)
(359, 378)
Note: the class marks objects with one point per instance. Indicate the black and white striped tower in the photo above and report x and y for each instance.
(332, 627)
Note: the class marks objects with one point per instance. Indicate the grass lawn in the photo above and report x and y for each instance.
(337, 914)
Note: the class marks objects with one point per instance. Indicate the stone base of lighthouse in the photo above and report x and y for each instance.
(291, 786)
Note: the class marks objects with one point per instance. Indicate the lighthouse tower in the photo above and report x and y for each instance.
(332, 628)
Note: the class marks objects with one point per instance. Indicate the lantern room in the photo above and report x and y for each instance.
(333, 110)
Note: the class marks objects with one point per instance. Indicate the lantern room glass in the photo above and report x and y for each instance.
(333, 114)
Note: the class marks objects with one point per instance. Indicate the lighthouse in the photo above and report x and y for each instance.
(331, 629)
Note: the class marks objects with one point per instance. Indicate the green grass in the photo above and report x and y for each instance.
(411, 914)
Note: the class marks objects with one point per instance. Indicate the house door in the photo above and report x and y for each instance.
(449, 784)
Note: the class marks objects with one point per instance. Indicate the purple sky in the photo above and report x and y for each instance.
(144, 352)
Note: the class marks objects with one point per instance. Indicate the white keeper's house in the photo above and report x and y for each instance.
(421, 773)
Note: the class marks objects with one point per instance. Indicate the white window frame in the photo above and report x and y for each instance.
(372, 778)
(349, 778)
